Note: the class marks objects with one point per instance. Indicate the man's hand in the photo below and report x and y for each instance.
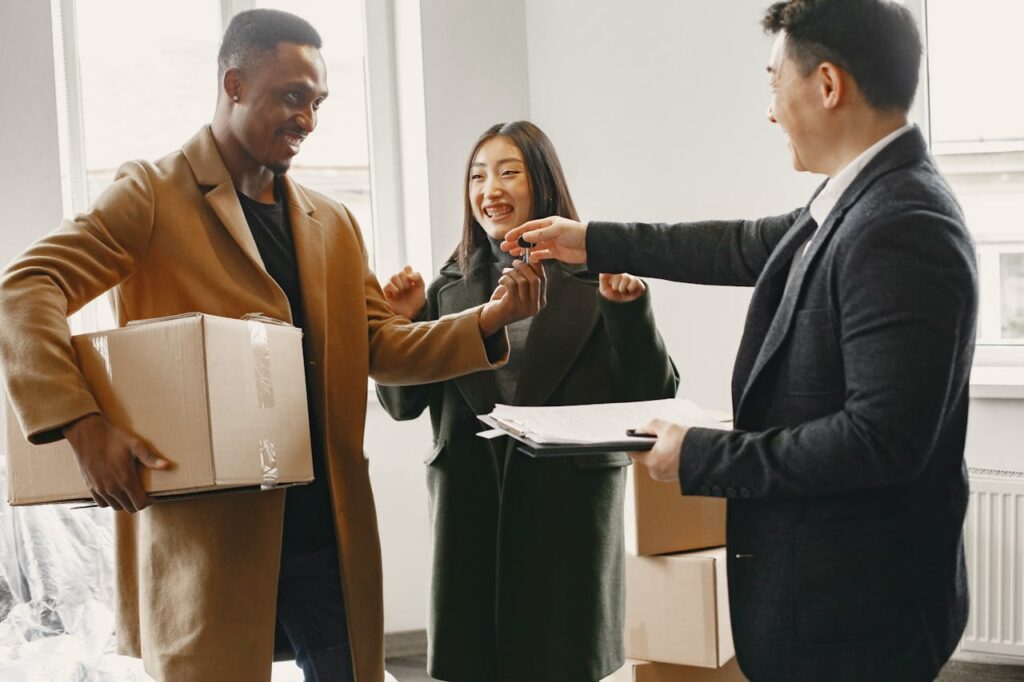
(522, 291)
(554, 237)
(662, 461)
(623, 288)
(108, 458)
(405, 292)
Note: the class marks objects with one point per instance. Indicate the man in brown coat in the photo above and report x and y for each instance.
(218, 227)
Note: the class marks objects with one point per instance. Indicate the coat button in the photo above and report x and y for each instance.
(744, 492)
(730, 492)
(704, 490)
(716, 490)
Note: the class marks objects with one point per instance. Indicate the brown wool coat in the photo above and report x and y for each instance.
(197, 579)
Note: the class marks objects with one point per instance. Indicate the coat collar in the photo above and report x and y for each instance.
(479, 388)
(570, 316)
(906, 149)
(219, 191)
(213, 178)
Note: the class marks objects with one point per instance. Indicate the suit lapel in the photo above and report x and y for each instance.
(479, 388)
(764, 304)
(569, 317)
(777, 303)
(780, 322)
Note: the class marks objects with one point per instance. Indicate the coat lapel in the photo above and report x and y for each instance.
(204, 158)
(308, 237)
(479, 388)
(907, 148)
(569, 317)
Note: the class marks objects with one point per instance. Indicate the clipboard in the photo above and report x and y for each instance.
(537, 450)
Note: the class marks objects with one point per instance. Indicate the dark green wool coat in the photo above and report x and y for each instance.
(527, 578)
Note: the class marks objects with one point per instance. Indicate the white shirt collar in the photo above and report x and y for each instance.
(826, 200)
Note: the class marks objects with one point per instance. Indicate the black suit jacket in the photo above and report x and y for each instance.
(845, 475)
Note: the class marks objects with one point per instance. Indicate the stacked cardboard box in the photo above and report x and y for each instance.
(677, 607)
(224, 400)
(646, 671)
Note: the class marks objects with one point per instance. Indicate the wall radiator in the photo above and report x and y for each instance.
(994, 543)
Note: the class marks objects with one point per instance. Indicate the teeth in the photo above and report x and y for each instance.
(497, 211)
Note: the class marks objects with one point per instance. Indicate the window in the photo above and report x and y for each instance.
(142, 91)
(975, 115)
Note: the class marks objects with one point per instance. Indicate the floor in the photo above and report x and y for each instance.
(413, 669)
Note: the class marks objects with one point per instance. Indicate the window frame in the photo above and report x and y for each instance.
(387, 235)
(994, 361)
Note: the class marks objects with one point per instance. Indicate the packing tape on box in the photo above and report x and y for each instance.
(102, 348)
(268, 463)
(260, 345)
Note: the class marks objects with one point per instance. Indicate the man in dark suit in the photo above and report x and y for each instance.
(845, 475)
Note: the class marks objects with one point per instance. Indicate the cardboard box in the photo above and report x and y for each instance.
(223, 399)
(660, 520)
(677, 609)
(645, 671)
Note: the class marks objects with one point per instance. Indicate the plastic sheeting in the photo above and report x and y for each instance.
(57, 595)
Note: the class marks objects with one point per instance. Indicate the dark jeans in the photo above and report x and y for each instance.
(311, 614)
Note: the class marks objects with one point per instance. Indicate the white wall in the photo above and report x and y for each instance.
(474, 72)
(657, 110)
(461, 68)
(30, 191)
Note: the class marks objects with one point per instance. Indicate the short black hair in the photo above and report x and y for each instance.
(875, 41)
(254, 33)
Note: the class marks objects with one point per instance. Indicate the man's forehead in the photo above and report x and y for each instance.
(778, 52)
(291, 60)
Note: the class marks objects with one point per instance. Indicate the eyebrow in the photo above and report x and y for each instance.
(511, 159)
(304, 87)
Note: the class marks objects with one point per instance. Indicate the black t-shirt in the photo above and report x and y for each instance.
(308, 514)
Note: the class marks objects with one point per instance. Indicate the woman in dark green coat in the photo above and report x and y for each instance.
(528, 554)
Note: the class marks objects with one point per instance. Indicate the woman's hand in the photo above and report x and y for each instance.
(622, 288)
(521, 292)
(405, 293)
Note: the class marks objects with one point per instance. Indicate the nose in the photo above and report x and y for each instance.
(306, 119)
(492, 185)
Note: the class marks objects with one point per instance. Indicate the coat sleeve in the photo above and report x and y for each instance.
(907, 302)
(53, 279)
(640, 363)
(731, 253)
(408, 402)
(407, 352)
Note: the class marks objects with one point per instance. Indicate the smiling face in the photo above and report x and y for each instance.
(277, 104)
(499, 187)
(795, 105)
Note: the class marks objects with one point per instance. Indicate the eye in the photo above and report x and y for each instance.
(510, 172)
(317, 104)
(291, 97)
(476, 176)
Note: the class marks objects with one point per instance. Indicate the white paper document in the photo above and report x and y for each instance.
(608, 422)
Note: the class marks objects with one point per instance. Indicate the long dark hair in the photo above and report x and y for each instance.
(548, 187)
